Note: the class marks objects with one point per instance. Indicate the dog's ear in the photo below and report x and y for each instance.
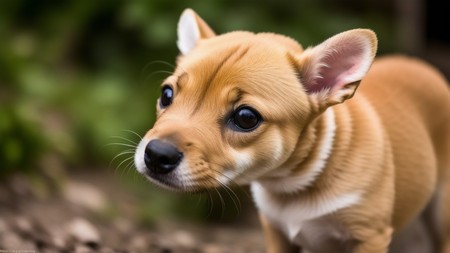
(191, 29)
(331, 71)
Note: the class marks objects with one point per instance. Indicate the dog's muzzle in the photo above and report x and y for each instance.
(161, 157)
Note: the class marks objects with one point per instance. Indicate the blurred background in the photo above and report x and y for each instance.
(79, 80)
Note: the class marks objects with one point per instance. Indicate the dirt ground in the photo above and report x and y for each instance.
(68, 220)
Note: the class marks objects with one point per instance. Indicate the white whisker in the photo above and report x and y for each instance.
(121, 144)
(234, 198)
(133, 132)
(124, 139)
(128, 151)
(125, 160)
(211, 201)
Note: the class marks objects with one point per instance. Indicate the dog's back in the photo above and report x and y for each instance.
(412, 100)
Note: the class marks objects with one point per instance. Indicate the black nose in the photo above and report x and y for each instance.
(161, 157)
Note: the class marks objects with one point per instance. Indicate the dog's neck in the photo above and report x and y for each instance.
(309, 159)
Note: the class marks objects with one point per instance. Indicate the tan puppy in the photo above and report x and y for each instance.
(327, 176)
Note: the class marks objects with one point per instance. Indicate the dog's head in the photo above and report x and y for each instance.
(235, 106)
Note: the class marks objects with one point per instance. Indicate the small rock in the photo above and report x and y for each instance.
(59, 241)
(139, 243)
(11, 241)
(85, 195)
(59, 237)
(184, 239)
(23, 225)
(83, 231)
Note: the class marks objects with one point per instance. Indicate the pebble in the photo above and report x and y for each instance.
(183, 239)
(140, 243)
(59, 241)
(83, 231)
(11, 241)
(85, 195)
(23, 225)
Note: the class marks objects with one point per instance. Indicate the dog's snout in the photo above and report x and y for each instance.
(161, 157)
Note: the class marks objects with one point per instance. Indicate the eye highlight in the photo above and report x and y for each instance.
(166, 96)
(245, 119)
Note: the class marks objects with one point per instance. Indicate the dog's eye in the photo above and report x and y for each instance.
(166, 96)
(245, 119)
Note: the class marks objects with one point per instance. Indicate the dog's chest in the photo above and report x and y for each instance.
(308, 223)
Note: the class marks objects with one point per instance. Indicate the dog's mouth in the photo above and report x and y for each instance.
(181, 182)
(167, 181)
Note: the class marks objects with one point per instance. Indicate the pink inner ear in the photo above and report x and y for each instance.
(343, 63)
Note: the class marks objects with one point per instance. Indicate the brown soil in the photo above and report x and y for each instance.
(70, 219)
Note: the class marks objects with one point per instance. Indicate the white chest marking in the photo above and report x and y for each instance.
(291, 217)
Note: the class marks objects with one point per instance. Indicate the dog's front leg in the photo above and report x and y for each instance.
(276, 241)
(374, 241)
